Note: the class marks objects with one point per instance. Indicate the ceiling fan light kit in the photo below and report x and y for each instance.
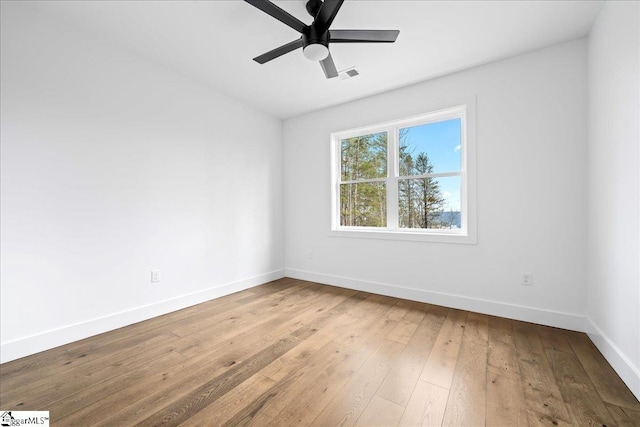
(315, 44)
(316, 37)
(315, 52)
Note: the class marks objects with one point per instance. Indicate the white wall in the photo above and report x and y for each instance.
(614, 188)
(112, 167)
(531, 163)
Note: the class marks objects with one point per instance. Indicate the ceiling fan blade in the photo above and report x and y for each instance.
(327, 14)
(329, 67)
(271, 9)
(279, 51)
(363, 36)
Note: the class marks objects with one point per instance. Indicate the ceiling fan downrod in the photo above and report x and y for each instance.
(313, 6)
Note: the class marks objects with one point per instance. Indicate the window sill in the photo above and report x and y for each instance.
(413, 236)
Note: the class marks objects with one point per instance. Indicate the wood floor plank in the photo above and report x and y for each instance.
(502, 354)
(467, 401)
(576, 387)
(180, 375)
(88, 406)
(270, 407)
(624, 416)
(238, 321)
(404, 330)
(442, 360)
(540, 388)
(206, 383)
(349, 403)
(398, 311)
(426, 406)
(601, 373)
(46, 391)
(380, 412)
(294, 369)
(377, 313)
(501, 331)
(223, 409)
(476, 328)
(197, 399)
(272, 403)
(84, 362)
(300, 355)
(296, 352)
(554, 339)
(269, 322)
(506, 404)
(536, 419)
(504, 357)
(399, 384)
(328, 383)
(296, 357)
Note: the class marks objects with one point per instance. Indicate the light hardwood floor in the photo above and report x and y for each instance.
(293, 352)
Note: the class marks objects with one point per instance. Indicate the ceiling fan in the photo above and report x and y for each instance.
(315, 38)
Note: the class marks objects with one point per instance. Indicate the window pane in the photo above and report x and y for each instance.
(363, 205)
(429, 203)
(364, 157)
(430, 148)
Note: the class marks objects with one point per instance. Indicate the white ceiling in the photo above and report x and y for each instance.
(213, 42)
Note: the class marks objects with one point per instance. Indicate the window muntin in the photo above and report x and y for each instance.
(424, 184)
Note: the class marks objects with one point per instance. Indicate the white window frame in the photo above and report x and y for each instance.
(467, 232)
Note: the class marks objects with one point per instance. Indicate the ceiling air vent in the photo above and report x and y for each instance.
(348, 73)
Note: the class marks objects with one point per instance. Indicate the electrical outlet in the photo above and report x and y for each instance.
(310, 253)
(527, 279)
(155, 276)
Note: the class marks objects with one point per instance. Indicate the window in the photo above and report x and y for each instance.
(406, 179)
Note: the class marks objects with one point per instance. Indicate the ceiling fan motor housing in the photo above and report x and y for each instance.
(311, 35)
(315, 45)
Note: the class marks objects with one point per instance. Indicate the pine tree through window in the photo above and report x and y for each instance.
(363, 198)
(406, 176)
(429, 169)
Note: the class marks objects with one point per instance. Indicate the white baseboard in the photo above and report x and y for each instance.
(629, 373)
(540, 316)
(26, 346)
